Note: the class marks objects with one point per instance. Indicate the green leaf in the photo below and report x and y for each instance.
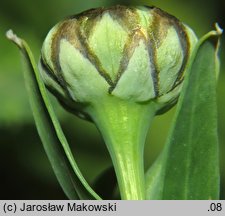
(52, 137)
(155, 178)
(188, 167)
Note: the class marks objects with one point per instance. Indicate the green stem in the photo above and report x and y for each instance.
(124, 127)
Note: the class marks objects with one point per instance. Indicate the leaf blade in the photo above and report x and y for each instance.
(50, 132)
(189, 166)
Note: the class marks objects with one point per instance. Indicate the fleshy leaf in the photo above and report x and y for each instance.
(188, 167)
(51, 134)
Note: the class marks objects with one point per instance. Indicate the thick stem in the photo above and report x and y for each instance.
(124, 127)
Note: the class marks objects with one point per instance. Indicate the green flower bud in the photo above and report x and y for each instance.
(118, 67)
(137, 54)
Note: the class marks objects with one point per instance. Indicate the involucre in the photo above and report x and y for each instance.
(138, 54)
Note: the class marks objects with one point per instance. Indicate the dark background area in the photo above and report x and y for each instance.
(25, 172)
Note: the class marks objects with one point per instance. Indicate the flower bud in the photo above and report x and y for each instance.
(137, 54)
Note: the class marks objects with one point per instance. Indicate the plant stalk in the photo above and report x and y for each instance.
(124, 127)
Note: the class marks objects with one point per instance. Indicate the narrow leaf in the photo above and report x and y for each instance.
(51, 134)
(155, 178)
(188, 167)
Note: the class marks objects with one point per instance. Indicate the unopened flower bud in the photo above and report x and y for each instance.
(138, 54)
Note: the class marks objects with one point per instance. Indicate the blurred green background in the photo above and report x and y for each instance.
(25, 172)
